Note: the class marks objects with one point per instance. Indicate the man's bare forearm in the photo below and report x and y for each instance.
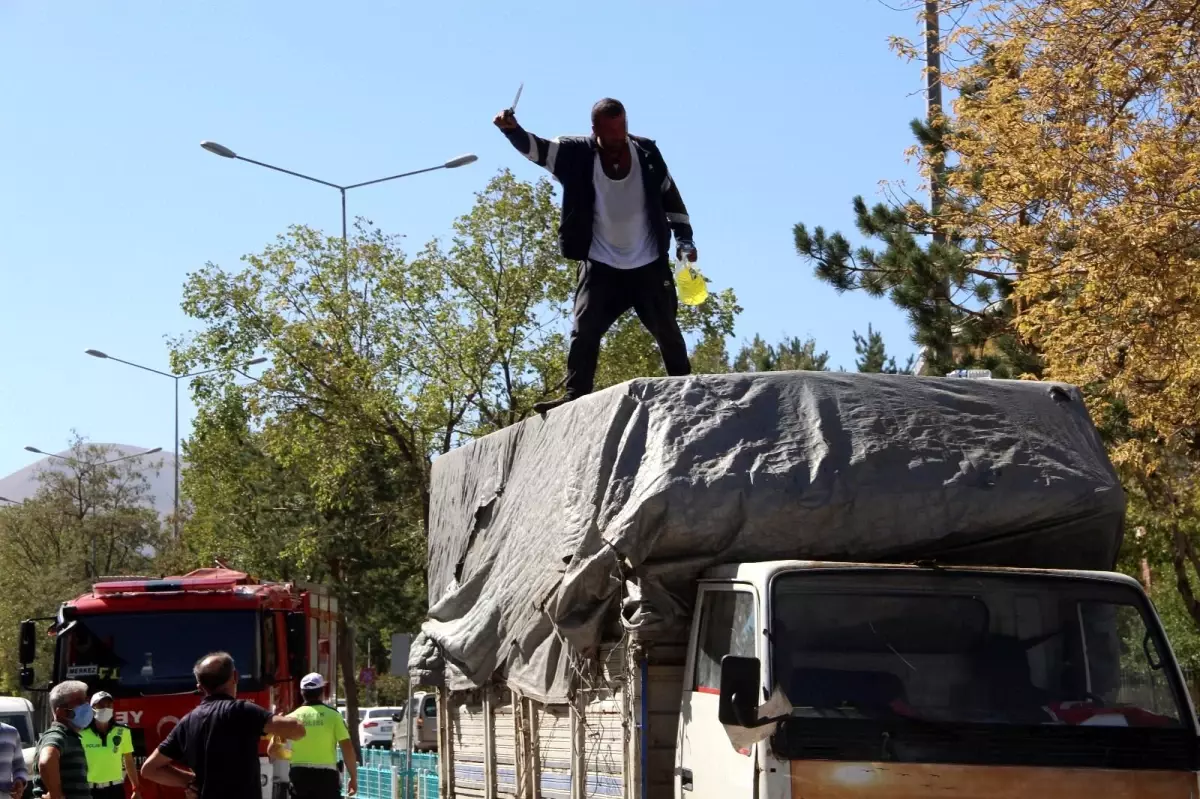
(172, 776)
(131, 771)
(348, 756)
(48, 773)
(285, 729)
(162, 770)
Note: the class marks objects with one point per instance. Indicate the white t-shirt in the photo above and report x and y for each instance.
(621, 233)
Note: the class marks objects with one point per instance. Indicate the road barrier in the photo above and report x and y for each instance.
(385, 774)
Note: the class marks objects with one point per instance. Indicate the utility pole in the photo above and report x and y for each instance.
(937, 153)
(933, 111)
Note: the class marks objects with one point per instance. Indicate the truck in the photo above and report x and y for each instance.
(139, 637)
(424, 724)
(796, 586)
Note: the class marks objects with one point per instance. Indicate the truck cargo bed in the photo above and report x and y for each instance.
(615, 738)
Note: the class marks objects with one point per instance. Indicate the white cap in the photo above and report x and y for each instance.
(312, 682)
(100, 696)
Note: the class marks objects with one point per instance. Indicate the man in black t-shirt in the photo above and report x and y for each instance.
(213, 751)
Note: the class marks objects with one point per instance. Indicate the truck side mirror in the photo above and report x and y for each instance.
(297, 641)
(27, 649)
(740, 688)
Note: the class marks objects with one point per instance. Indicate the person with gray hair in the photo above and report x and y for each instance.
(212, 752)
(60, 766)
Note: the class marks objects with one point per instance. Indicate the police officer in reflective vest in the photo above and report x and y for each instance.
(314, 773)
(109, 750)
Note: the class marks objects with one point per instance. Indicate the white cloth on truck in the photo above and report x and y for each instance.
(534, 530)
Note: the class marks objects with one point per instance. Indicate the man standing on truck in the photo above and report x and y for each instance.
(60, 761)
(12, 763)
(217, 742)
(109, 749)
(314, 773)
(620, 206)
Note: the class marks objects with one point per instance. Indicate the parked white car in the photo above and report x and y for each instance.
(362, 713)
(376, 726)
(425, 738)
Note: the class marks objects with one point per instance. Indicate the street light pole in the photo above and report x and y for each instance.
(176, 378)
(83, 468)
(175, 445)
(453, 163)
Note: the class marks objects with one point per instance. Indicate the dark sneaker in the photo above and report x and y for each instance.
(549, 405)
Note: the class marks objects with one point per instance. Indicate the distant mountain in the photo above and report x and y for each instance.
(23, 484)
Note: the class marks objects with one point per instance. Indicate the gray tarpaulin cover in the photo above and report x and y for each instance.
(546, 536)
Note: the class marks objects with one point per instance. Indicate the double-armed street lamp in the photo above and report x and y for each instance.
(177, 378)
(82, 468)
(84, 465)
(225, 152)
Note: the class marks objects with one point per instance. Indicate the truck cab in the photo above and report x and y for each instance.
(424, 720)
(823, 680)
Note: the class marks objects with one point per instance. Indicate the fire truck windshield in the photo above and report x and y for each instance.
(135, 654)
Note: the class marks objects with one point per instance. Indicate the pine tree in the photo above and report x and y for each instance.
(790, 354)
(968, 326)
(873, 357)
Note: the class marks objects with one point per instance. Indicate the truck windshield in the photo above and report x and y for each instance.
(135, 654)
(971, 648)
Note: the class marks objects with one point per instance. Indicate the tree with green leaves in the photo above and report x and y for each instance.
(790, 354)
(319, 468)
(91, 515)
(957, 291)
(973, 324)
(873, 357)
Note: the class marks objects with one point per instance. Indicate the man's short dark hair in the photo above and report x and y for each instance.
(313, 696)
(214, 670)
(608, 108)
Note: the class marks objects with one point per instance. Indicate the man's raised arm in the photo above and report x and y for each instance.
(285, 728)
(538, 150)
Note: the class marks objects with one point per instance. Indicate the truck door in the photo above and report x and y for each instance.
(707, 764)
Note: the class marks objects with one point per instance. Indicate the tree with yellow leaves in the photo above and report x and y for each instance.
(1079, 165)
(1082, 158)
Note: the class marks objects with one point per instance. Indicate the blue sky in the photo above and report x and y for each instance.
(768, 113)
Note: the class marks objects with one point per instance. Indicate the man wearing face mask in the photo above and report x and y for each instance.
(109, 749)
(620, 206)
(60, 763)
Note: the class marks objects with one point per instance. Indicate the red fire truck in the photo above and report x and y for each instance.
(139, 637)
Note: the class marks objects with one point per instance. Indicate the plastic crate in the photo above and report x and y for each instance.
(382, 768)
(426, 784)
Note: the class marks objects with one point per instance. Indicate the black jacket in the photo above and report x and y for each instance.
(571, 161)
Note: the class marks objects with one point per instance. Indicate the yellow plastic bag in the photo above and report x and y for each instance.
(693, 288)
(279, 750)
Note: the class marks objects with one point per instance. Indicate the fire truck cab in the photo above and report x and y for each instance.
(139, 637)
